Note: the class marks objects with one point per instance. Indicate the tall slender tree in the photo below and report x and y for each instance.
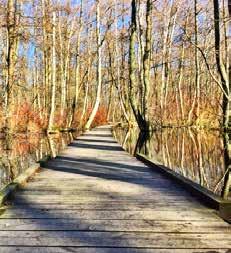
(53, 84)
(221, 67)
(77, 65)
(12, 52)
(99, 61)
(140, 106)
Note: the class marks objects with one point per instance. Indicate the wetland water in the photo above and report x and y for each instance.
(202, 156)
(18, 152)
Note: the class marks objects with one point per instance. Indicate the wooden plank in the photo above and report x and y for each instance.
(66, 201)
(103, 164)
(103, 185)
(157, 226)
(161, 203)
(62, 189)
(56, 169)
(87, 175)
(111, 205)
(90, 181)
(111, 214)
(104, 250)
(101, 197)
(115, 239)
(113, 193)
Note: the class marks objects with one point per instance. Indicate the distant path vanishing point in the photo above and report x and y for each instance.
(96, 198)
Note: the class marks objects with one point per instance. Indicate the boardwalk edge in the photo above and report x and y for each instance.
(17, 182)
(204, 195)
(225, 211)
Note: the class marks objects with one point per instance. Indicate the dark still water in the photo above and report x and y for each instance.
(20, 151)
(202, 156)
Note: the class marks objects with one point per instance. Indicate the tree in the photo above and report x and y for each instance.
(13, 39)
(196, 100)
(53, 84)
(99, 59)
(140, 107)
(77, 65)
(146, 60)
(225, 84)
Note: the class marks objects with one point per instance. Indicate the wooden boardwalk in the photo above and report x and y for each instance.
(94, 197)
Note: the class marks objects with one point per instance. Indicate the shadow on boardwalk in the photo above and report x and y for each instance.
(122, 172)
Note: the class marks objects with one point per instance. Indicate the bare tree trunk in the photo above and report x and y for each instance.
(85, 102)
(118, 72)
(146, 61)
(140, 56)
(227, 142)
(132, 62)
(180, 82)
(140, 107)
(37, 93)
(166, 53)
(46, 57)
(171, 31)
(62, 74)
(227, 177)
(12, 20)
(67, 71)
(133, 85)
(111, 91)
(99, 77)
(220, 65)
(164, 62)
(180, 79)
(196, 100)
(77, 67)
(52, 145)
(37, 98)
(53, 85)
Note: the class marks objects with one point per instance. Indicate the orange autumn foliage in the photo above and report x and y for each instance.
(100, 118)
(26, 118)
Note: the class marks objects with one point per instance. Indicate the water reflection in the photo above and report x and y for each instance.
(227, 159)
(202, 156)
(20, 151)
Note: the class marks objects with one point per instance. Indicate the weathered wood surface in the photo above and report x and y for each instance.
(95, 198)
(104, 250)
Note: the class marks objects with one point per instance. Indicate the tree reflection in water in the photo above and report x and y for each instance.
(18, 152)
(227, 160)
(202, 156)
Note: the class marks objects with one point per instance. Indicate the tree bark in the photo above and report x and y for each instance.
(140, 107)
(12, 18)
(53, 85)
(132, 62)
(146, 61)
(77, 67)
(99, 77)
(220, 65)
(196, 100)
